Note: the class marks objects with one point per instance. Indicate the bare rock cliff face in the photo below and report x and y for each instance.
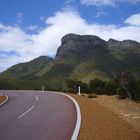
(78, 45)
(84, 44)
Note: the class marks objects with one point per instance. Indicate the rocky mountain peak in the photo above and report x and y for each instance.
(81, 38)
(82, 44)
(70, 37)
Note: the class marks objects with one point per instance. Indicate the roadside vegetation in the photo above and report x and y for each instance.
(123, 84)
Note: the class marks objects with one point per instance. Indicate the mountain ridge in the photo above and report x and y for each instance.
(82, 57)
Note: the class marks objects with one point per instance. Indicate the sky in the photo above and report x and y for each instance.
(32, 28)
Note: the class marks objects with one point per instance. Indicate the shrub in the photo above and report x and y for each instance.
(74, 84)
(137, 91)
(97, 86)
(121, 92)
(111, 87)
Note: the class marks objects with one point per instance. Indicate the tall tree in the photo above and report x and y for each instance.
(123, 78)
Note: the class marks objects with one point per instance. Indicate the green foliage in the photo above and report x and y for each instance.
(125, 79)
(97, 86)
(121, 92)
(74, 84)
(111, 87)
(137, 95)
(132, 86)
(129, 86)
(29, 70)
(137, 91)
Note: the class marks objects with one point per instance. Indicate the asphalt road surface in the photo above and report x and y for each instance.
(36, 115)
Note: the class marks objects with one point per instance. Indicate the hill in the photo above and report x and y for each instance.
(26, 75)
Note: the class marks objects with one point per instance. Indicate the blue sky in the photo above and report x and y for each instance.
(30, 28)
(32, 10)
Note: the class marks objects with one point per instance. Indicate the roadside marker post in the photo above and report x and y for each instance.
(79, 90)
(43, 88)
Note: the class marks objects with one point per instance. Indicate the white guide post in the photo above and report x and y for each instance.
(43, 88)
(79, 90)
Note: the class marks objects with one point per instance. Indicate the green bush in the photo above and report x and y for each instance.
(137, 93)
(121, 92)
(97, 86)
(110, 87)
(74, 84)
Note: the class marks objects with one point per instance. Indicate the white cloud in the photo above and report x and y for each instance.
(32, 27)
(19, 17)
(42, 18)
(100, 13)
(47, 40)
(107, 2)
(98, 2)
(69, 1)
(133, 20)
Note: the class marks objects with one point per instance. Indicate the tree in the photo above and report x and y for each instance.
(121, 92)
(137, 91)
(74, 84)
(123, 80)
(97, 86)
(111, 87)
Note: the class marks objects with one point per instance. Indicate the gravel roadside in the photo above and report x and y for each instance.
(127, 109)
(99, 123)
(2, 99)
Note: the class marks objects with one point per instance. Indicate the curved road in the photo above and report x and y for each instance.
(36, 115)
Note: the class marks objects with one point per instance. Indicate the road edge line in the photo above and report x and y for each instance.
(78, 123)
(4, 100)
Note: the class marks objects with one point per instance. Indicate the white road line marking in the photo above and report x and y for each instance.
(26, 112)
(36, 98)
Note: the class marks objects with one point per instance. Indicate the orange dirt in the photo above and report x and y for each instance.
(2, 98)
(99, 123)
(127, 109)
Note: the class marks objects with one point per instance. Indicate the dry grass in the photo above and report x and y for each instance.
(99, 123)
(2, 98)
(126, 109)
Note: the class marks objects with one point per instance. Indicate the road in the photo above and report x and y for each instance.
(36, 115)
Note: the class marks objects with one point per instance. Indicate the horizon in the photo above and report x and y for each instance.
(31, 29)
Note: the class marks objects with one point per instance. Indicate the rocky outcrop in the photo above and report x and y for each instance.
(123, 44)
(84, 44)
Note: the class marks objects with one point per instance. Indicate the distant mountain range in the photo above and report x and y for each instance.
(79, 57)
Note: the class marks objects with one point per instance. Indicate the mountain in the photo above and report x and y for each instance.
(26, 75)
(82, 57)
(74, 50)
(30, 70)
(87, 57)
